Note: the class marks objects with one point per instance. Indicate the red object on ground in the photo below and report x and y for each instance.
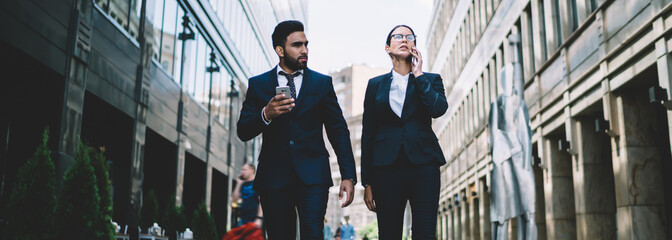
(247, 231)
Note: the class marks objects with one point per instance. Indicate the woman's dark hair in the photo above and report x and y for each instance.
(283, 30)
(389, 35)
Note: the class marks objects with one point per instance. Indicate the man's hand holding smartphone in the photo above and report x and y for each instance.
(281, 103)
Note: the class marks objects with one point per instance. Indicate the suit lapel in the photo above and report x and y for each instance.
(305, 87)
(409, 100)
(383, 95)
(273, 78)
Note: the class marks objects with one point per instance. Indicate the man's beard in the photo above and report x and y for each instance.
(294, 64)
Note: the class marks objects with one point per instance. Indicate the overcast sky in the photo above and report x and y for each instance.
(343, 32)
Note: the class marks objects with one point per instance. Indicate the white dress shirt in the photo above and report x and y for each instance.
(398, 92)
(282, 81)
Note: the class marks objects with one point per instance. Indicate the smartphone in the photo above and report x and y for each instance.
(283, 90)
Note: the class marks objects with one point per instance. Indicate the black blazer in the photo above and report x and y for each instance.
(383, 132)
(294, 142)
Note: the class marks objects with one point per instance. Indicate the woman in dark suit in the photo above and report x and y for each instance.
(400, 152)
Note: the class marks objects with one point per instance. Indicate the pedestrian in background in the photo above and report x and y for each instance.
(250, 209)
(327, 230)
(400, 152)
(294, 173)
(337, 235)
(347, 230)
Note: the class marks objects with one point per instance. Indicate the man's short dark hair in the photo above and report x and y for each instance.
(389, 35)
(251, 166)
(283, 30)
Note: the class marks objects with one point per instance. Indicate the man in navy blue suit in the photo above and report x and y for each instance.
(293, 174)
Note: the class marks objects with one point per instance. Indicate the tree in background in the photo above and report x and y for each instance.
(79, 215)
(203, 224)
(31, 204)
(148, 211)
(173, 220)
(101, 169)
(370, 230)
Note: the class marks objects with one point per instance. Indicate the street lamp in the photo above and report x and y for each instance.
(233, 93)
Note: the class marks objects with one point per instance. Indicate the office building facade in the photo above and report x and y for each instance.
(596, 79)
(157, 83)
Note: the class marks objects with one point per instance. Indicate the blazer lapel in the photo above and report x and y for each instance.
(305, 87)
(383, 96)
(409, 101)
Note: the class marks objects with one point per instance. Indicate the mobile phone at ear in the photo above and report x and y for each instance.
(284, 90)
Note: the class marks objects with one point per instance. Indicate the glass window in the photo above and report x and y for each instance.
(199, 67)
(179, 46)
(527, 43)
(223, 89)
(557, 24)
(198, 90)
(237, 24)
(155, 19)
(168, 38)
(542, 31)
(133, 26)
(190, 59)
(126, 13)
(573, 15)
(592, 4)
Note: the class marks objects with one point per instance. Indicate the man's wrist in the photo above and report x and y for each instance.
(264, 118)
(351, 180)
(263, 114)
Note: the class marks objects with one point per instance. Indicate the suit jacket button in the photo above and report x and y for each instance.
(291, 142)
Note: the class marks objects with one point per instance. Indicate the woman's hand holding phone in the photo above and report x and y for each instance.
(416, 62)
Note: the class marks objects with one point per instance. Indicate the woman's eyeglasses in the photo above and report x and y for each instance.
(399, 37)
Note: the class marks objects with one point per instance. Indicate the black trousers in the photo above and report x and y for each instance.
(403, 181)
(281, 205)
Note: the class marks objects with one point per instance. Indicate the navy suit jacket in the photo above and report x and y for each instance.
(383, 132)
(293, 144)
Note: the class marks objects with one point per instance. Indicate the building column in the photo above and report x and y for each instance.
(558, 192)
(182, 142)
(637, 164)
(452, 226)
(445, 216)
(664, 67)
(474, 214)
(141, 97)
(457, 219)
(593, 183)
(540, 213)
(464, 209)
(79, 39)
(484, 210)
(208, 186)
(439, 222)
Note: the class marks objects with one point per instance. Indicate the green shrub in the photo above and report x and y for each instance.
(100, 167)
(203, 224)
(79, 215)
(148, 211)
(31, 204)
(173, 220)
